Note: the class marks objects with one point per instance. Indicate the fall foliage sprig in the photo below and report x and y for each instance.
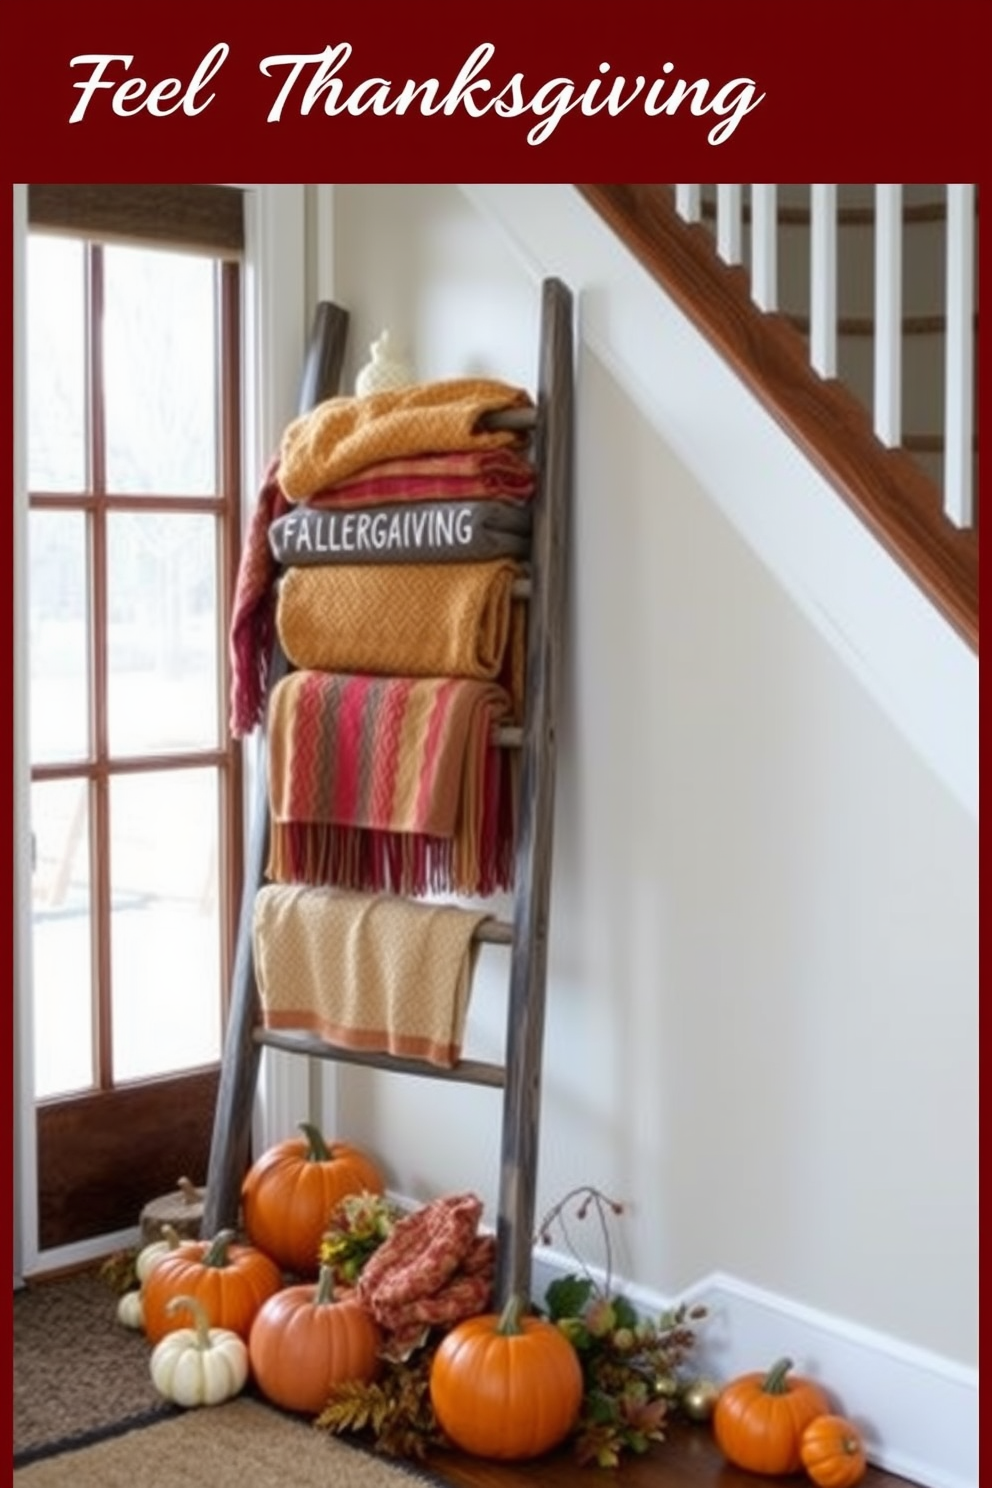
(358, 1225)
(631, 1365)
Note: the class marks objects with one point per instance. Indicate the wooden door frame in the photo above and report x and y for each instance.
(274, 299)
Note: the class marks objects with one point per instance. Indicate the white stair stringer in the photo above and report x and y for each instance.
(923, 675)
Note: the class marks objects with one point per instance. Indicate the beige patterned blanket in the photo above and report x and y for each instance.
(370, 972)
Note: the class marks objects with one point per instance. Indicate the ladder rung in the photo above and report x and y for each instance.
(495, 932)
(466, 1072)
(508, 418)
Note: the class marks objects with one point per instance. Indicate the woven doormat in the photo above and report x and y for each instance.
(241, 1444)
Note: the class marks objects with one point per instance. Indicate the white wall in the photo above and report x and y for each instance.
(762, 1015)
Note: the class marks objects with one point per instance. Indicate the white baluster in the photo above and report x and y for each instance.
(764, 247)
(728, 223)
(960, 354)
(823, 280)
(888, 314)
(689, 202)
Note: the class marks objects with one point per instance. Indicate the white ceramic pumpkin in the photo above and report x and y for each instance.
(199, 1365)
(149, 1255)
(130, 1311)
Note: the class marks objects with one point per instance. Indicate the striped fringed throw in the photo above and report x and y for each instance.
(390, 784)
(344, 435)
(402, 619)
(371, 972)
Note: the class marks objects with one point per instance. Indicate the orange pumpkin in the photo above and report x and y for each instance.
(304, 1340)
(229, 1281)
(506, 1386)
(289, 1192)
(759, 1419)
(833, 1452)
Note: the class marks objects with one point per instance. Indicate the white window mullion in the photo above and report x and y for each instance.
(888, 314)
(823, 280)
(960, 356)
(276, 315)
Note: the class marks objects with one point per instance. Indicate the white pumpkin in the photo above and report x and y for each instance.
(130, 1310)
(199, 1365)
(152, 1253)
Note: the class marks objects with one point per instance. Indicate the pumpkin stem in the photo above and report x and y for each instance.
(201, 1321)
(775, 1382)
(217, 1255)
(317, 1148)
(191, 1194)
(169, 1234)
(325, 1286)
(509, 1319)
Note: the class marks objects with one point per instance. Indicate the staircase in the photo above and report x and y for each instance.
(849, 312)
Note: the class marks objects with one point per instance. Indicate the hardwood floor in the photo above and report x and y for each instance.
(688, 1459)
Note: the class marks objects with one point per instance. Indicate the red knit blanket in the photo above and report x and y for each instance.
(459, 475)
(253, 611)
(390, 783)
(434, 1269)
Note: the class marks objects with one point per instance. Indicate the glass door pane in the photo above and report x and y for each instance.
(165, 926)
(162, 632)
(59, 636)
(56, 336)
(160, 363)
(62, 947)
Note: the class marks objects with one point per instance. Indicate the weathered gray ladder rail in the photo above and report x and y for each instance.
(519, 1076)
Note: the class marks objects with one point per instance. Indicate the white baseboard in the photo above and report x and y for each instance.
(918, 1411)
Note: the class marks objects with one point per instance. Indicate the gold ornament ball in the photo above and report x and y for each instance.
(699, 1398)
(666, 1386)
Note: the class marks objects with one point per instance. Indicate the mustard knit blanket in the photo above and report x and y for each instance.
(366, 972)
(345, 434)
(401, 619)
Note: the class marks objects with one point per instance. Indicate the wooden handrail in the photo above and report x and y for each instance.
(886, 487)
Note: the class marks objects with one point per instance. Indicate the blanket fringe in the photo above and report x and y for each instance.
(385, 862)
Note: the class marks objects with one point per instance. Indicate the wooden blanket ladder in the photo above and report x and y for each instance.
(526, 937)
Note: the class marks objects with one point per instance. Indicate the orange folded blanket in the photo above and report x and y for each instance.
(345, 434)
(370, 972)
